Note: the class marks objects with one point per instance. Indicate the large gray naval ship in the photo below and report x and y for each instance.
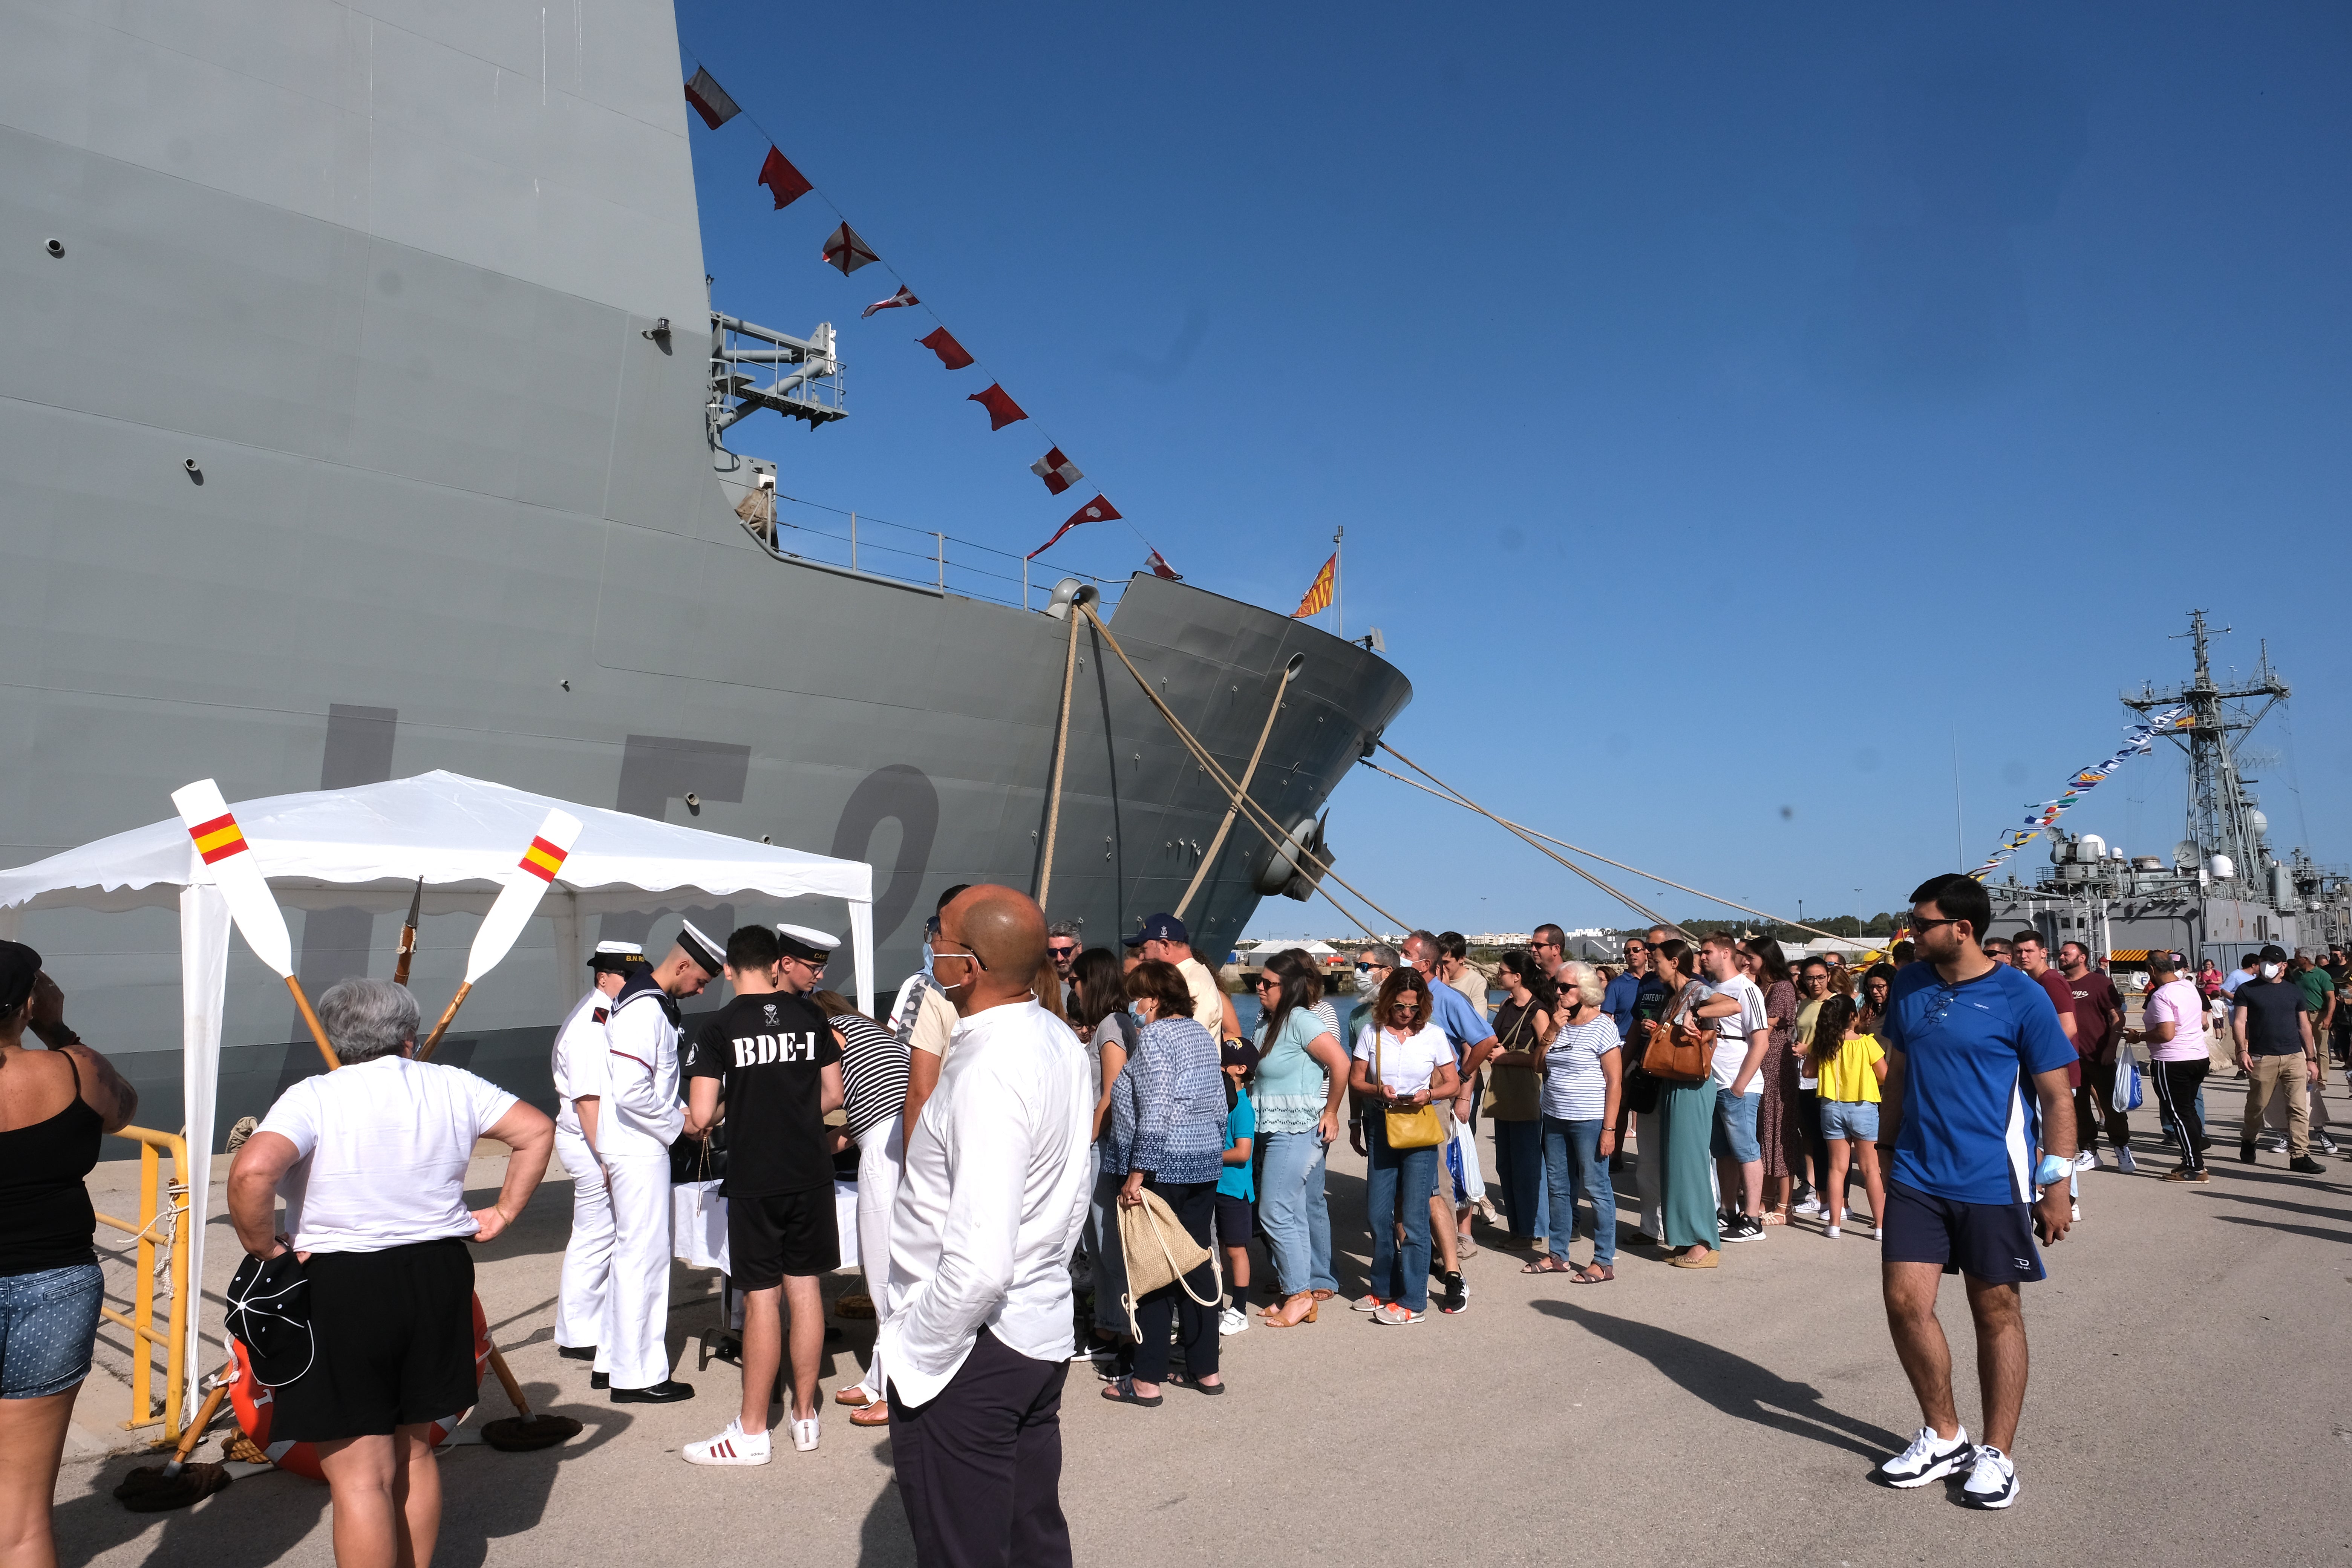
(364, 412)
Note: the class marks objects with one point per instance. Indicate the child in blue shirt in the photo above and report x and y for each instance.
(1237, 1185)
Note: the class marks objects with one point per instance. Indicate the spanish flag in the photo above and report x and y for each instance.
(1318, 593)
(218, 839)
(543, 859)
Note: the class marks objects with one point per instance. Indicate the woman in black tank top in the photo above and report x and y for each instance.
(55, 1105)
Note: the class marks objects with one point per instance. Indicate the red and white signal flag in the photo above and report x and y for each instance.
(951, 353)
(846, 251)
(1058, 473)
(904, 297)
(1002, 409)
(788, 183)
(1159, 567)
(1095, 510)
(710, 100)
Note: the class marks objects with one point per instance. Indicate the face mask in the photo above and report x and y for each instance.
(2271, 971)
(927, 958)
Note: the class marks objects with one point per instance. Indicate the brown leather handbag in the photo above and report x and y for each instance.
(1677, 1051)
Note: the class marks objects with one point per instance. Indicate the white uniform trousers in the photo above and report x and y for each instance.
(633, 1348)
(881, 1156)
(588, 1255)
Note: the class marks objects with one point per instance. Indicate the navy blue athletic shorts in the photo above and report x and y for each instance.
(1991, 1242)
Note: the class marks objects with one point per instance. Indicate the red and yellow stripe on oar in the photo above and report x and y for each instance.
(543, 859)
(218, 839)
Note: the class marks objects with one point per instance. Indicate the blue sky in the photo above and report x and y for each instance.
(1728, 406)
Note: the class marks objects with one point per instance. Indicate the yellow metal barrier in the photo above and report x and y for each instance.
(166, 1209)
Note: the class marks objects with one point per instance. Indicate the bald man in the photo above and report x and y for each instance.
(979, 1336)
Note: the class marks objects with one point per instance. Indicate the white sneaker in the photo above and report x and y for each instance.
(1832, 1233)
(1232, 1320)
(2077, 1212)
(805, 1436)
(1812, 1205)
(2088, 1160)
(2125, 1163)
(1928, 1459)
(729, 1447)
(1993, 1483)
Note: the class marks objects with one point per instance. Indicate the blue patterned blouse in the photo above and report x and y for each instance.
(1168, 1109)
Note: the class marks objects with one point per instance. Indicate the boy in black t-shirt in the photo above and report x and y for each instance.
(775, 1059)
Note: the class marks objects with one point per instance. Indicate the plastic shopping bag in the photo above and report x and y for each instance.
(2125, 1095)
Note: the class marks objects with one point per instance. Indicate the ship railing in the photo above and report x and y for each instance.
(810, 533)
(160, 1237)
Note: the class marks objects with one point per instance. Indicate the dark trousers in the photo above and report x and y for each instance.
(980, 1467)
(1519, 1170)
(2179, 1100)
(1193, 1204)
(2093, 1106)
(1809, 1121)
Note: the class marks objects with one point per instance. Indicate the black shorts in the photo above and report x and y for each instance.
(394, 1333)
(786, 1232)
(1236, 1220)
(1991, 1242)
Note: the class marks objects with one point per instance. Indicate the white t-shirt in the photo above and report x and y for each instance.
(383, 1147)
(1409, 1064)
(1735, 1031)
(2175, 1002)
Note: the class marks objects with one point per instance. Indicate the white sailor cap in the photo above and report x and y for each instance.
(613, 957)
(709, 955)
(806, 943)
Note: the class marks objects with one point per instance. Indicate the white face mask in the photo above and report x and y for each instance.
(2271, 971)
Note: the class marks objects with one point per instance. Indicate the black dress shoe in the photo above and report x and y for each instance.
(576, 1353)
(599, 1380)
(668, 1391)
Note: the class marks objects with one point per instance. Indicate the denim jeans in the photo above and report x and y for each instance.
(1574, 1168)
(49, 1325)
(1398, 1178)
(1293, 1211)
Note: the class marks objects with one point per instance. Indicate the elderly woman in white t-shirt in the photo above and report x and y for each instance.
(371, 1162)
(1402, 1062)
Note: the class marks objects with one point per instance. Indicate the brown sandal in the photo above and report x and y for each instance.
(1277, 1321)
(1594, 1274)
(1548, 1265)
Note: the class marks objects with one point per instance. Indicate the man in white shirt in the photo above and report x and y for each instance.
(988, 1209)
(578, 1066)
(1742, 1034)
(1163, 938)
(640, 1119)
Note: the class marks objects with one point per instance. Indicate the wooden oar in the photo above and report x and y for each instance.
(408, 935)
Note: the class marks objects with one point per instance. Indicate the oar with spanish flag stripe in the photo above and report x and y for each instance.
(222, 845)
(526, 885)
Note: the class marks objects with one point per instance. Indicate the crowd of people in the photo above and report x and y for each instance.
(1029, 1107)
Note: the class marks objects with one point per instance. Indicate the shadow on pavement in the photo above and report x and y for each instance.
(884, 1540)
(2312, 1231)
(1733, 1384)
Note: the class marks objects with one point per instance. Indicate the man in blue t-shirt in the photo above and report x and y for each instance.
(1976, 1095)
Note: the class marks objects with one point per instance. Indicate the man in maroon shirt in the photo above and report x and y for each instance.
(2098, 1027)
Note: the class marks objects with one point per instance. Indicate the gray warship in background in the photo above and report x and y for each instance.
(2223, 891)
(364, 412)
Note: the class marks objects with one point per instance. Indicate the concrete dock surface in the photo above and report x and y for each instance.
(2189, 1404)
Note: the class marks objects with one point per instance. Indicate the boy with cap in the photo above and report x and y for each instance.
(776, 1059)
(638, 1120)
(578, 1066)
(1164, 940)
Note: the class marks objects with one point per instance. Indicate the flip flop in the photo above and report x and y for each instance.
(853, 1394)
(1121, 1391)
(875, 1414)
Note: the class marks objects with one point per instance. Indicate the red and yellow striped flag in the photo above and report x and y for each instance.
(543, 859)
(218, 839)
(1318, 593)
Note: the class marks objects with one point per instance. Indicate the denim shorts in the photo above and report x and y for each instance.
(1854, 1118)
(49, 1324)
(1735, 1126)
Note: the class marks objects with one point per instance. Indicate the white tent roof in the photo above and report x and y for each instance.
(367, 847)
(460, 834)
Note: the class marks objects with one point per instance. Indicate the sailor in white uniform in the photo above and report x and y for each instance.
(579, 1069)
(641, 1118)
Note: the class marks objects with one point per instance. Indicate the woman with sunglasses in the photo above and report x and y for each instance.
(1402, 1062)
(1301, 1075)
(1691, 1228)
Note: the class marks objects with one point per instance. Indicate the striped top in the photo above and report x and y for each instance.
(1574, 1088)
(1168, 1109)
(873, 1072)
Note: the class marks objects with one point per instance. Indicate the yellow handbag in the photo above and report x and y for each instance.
(1416, 1129)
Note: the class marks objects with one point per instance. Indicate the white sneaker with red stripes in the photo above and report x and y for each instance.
(729, 1447)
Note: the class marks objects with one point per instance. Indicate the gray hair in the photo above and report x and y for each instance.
(1063, 928)
(1379, 953)
(1431, 948)
(1585, 978)
(367, 1018)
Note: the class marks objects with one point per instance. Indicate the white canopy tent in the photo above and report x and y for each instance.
(367, 847)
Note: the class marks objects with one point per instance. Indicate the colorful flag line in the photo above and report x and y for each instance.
(2139, 741)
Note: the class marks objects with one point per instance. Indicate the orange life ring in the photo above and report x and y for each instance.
(252, 1402)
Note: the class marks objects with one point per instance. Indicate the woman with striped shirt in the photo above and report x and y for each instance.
(873, 1093)
(1582, 1073)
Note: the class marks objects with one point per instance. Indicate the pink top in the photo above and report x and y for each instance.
(2175, 1002)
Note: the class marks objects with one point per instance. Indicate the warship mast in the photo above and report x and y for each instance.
(2223, 823)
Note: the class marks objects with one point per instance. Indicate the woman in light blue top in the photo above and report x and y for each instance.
(1301, 1075)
